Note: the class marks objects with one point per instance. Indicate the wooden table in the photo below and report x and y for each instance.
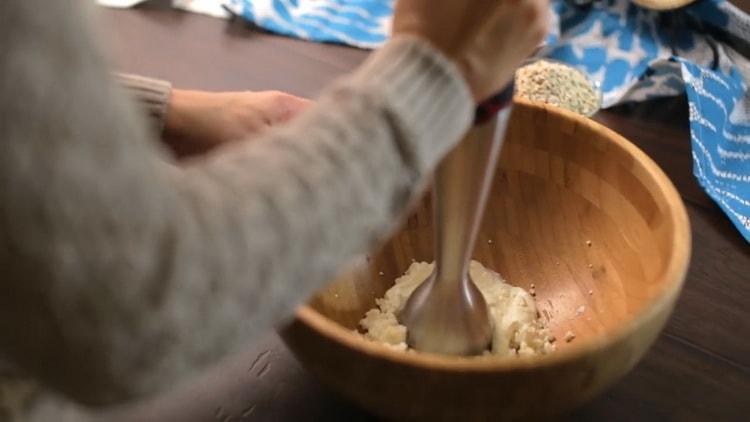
(699, 369)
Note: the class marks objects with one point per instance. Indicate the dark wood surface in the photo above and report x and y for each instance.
(699, 369)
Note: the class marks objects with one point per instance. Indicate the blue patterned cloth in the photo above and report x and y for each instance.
(360, 23)
(635, 54)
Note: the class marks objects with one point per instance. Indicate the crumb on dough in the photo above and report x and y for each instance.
(580, 310)
(569, 336)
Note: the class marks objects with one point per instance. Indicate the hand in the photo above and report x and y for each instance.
(198, 121)
(487, 39)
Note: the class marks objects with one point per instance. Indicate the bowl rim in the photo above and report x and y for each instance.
(674, 275)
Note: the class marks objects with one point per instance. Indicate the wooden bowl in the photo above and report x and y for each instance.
(576, 210)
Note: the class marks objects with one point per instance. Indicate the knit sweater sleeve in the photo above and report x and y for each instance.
(152, 94)
(121, 273)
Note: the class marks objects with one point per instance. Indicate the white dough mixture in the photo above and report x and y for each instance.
(516, 327)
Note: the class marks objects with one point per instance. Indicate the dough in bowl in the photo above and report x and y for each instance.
(516, 326)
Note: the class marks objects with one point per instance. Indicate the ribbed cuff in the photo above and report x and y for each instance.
(152, 94)
(427, 92)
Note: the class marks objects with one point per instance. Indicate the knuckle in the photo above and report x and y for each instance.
(537, 18)
(539, 35)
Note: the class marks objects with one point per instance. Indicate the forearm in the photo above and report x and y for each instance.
(128, 274)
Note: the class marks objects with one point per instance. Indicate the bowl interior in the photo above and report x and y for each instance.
(575, 210)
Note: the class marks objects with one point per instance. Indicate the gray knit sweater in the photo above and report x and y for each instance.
(121, 273)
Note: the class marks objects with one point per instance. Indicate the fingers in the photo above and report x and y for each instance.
(487, 39)
(525, 21)
(280, 107)
(539, 17)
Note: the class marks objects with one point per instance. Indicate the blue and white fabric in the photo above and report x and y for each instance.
(634, 53)
(360, 23)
